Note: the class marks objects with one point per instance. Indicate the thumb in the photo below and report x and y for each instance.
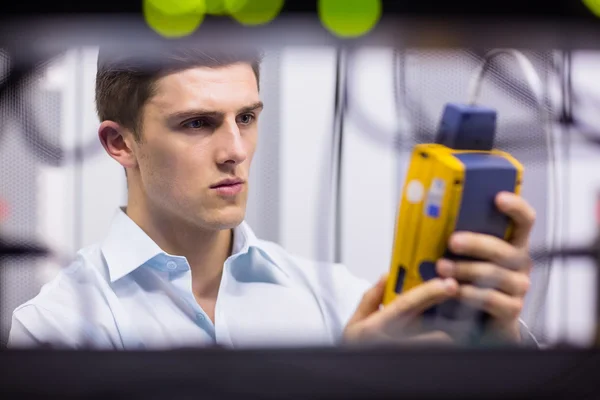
(371, 301)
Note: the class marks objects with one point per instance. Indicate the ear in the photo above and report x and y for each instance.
(118, 143)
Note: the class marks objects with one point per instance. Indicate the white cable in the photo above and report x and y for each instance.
(529, 72)
(541, 96)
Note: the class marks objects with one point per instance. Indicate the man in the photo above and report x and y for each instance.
(181, 268)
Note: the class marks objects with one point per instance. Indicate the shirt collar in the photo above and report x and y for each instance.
(127, 247)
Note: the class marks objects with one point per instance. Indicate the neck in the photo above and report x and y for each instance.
(205, 250)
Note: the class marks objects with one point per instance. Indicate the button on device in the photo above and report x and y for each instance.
(171, 265)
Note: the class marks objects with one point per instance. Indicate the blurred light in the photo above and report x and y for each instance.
(349, 18)
(177, 7)
(594, 6)
(174, 25)
(55, 75)
(232, 6)
(598, 209)
(216, 7)
(254, 12)
(4, 211)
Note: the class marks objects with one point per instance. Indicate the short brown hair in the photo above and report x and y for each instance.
(125, 80)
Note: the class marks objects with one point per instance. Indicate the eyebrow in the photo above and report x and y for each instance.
(182, 115)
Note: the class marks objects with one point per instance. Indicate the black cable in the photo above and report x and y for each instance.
(338, 146)
(380, 136)
(329, 203)
(589, 133)
(12, 102)
(565, 120)
(11, 99)
(559, 208)
(375, 133)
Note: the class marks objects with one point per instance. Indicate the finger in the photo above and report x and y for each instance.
(370, 301)
(521, 213)
(429, 339)
(499, 305)
(489, 248)
(436, 336)
(483, 274)
(422, 339)
(414, 302)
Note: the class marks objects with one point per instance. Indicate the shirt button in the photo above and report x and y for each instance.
(171, 265)
(200, 317)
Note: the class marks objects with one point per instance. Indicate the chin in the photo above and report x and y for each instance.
(225, 225)
(227, 219)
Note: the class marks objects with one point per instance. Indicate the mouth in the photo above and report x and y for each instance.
(228, 187)
(227, 182)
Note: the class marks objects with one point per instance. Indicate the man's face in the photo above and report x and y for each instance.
(199, 134)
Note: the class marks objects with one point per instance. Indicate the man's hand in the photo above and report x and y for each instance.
(395, 323)
(505, 274)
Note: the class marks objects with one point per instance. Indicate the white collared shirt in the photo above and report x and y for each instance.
(126, 293)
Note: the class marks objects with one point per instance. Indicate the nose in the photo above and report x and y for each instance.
(231, 147)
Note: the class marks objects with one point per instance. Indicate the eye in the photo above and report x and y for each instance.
(195, 124)
(246, 119)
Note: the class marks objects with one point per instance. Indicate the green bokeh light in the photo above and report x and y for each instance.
(177, 7)
(216, 7)
(173, 25)
(594, 6)
(254, 12)
(349, 18)
(232, 6)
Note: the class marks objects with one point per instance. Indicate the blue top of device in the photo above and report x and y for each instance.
(467, 127)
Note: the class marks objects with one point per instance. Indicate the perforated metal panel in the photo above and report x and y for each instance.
(430, 79)
(21, 154)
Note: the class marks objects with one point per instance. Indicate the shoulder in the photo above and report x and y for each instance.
(57, 315)
(61, 296)
(337, 289)
(85, 269)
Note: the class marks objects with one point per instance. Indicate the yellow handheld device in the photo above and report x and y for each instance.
(450, 186)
